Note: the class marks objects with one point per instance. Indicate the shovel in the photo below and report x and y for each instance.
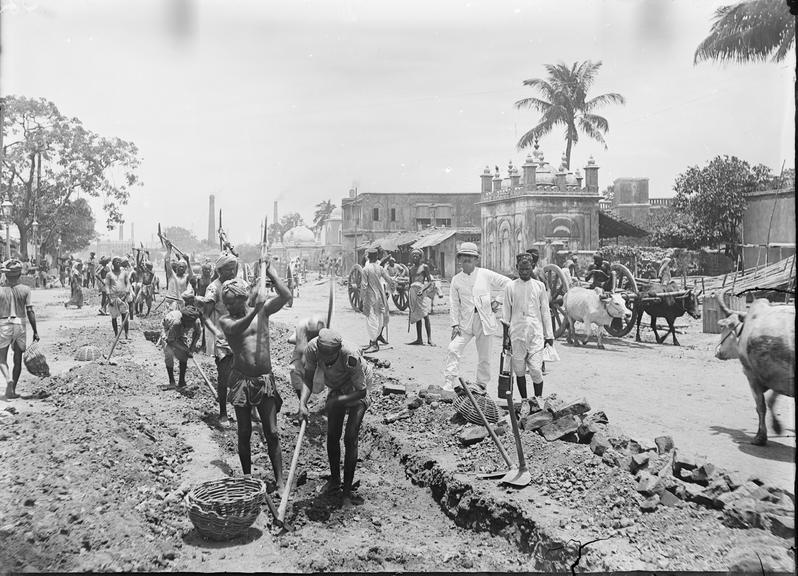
(520, 477)
(292, 471)
(502, 451)
(116, 341)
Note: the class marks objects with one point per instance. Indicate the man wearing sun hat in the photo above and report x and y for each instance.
(472, 311)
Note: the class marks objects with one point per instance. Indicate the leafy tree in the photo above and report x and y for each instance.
(323, 211)
(749, 31)
(75, 227)
(182, 238)
(609, 193)
(565, 103)
(288, 221)
(47, 159)
(713, 197)
(676, 230)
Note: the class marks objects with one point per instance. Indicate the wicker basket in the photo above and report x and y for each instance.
(463, 405)
(223, 509)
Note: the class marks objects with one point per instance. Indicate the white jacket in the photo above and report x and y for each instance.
(472, 291)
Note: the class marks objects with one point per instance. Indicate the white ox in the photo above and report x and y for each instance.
(763, 338)
(592, 307)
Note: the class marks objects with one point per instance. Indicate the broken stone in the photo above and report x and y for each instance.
(648, 484)
(432, 397)
(650, 504)
(734, 479)
(721, 501)
(415, 403)
(472, 435)
(637, 446)
(559, 428)
(535, 404)
(702, 474)
(610, 457)
(598, 417)
(756, 480)
(669, 499)
(682, 461)
(393, 388)
(664, 444)
(639, 460)
(571, 437)
(553, 404)
(697, 494)
(536, 421)
(781, 526)
(618, 441)
(573, 409)
(448, 396)
(599, 444)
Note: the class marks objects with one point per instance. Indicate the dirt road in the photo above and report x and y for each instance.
(648, 389)
(95, 460)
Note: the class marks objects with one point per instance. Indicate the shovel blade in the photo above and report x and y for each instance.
(494, 475)
(518, 478)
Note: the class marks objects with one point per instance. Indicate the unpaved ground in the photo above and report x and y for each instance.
(96, 470)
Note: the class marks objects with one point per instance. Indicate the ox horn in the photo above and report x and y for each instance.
(722, 304)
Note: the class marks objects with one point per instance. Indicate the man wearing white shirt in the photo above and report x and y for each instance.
(472, 310)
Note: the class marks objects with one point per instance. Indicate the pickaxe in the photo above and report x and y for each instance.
(224, 242)
(161, 237)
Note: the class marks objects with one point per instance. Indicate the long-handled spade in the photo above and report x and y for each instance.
(520, 477)
(502, 451)
(107, 359)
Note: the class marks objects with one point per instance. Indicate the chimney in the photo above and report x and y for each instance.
(211, 219)
(497, 181)
(591, 176)
(529, 173)
(121, 231)
(485, 177)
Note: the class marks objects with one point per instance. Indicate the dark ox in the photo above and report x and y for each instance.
(669, 308)
(763, 338)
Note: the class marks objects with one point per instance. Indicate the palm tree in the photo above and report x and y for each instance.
(323, 210)
(565, 103)
(749, 31)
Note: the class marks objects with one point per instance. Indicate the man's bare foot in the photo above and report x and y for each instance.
(351, 499)
(416, 343)
(11, 394)
(224, 422)
(331, 486)
(431, 343)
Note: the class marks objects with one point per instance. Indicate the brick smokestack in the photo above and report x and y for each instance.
(211, 219)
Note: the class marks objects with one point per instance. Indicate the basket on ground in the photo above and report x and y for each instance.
(223, 509)
(88, 353)
(463, 405)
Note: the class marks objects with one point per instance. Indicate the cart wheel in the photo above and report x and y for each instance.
(623, 282)
(557, 285)
(355, 299)
(401, 299)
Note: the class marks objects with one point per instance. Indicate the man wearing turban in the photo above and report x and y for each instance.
(251, 383)
(176, 325)
(117, 284)
(213, 308)
(178, 280)
(337, 365)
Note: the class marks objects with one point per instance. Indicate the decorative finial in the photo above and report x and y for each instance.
(536, 146)
(591, 161)
(487, 170)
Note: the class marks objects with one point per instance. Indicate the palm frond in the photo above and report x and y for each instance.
(541, 86)
(599, 123)
(592, 131)
(749, 31)
(610, 98)
(533, 103)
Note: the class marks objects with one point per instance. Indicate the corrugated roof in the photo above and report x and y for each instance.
(435, 238)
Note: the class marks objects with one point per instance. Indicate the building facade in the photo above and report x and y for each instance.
(370, 215)
(768, 233)
(549, 208)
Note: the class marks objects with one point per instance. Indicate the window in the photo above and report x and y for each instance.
(422, 223)
(375, 214)
(393, 214)
(443, 222)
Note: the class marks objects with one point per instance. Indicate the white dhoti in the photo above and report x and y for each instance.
(374, 323)
(528, 356)
(455, 352)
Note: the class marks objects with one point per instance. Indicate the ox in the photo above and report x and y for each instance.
(592, 307)
(763, 338)
(666, 307)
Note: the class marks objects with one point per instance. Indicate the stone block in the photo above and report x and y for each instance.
(599, 444)
(415, 403)
(722, 501)
(553, 403)
(639, 460)
(650, 504)
(699, 495)
(448, 396)
(432, 397)
(598, 417)
(536, 421)
(683, 461)
(618, 441)
(572, 437)
(648, 484)
(644, 445)
(575, 408)
(610, 457)
(741, 513)
(664, 444)
(559, 428)
(535, 404)
(393, 388)
(781, 526)
(472, 435)
(669, 499)
(703, 474)
(734, 479)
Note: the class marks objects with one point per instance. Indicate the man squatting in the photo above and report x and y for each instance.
(251, 383)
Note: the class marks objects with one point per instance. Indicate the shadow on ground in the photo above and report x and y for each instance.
(773, 451)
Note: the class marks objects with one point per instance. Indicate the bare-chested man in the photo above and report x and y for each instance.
(117, 284)
(178, 280)
(420, 292)
(251, 380)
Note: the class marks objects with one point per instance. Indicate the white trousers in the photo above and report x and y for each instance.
(374, 324)
(455, 352)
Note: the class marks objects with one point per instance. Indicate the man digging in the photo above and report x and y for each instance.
(178, 279)
(117, 284)
(15, 307)
(176, 325)
(306, 330)
(340, 367)
(251, 381)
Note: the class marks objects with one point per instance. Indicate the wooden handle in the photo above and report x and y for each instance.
(205, 377)
(118, 335)
(291, 472)
(487, 425)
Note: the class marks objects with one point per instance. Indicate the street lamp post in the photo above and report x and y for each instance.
(35, 229)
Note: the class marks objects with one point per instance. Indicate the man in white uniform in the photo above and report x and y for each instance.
(472, 308)
(526, 311)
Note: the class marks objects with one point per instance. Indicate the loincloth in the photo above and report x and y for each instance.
(244, 391)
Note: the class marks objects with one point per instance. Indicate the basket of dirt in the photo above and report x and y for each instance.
(152, 335)
(35, 361)
(223, 509)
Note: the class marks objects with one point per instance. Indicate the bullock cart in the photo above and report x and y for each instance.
(400, 297)
(557, 283)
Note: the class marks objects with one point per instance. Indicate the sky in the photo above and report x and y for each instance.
(297, 101)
